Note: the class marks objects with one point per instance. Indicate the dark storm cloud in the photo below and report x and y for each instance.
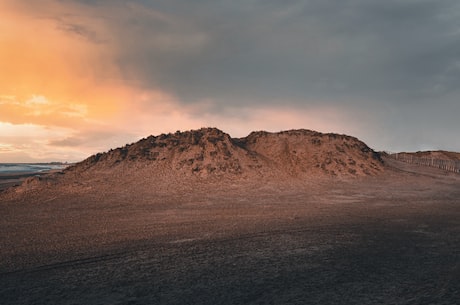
(398, 58)
(302, 50)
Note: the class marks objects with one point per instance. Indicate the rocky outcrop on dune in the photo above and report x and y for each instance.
(210, 153)
(203, 152)
(303, 152)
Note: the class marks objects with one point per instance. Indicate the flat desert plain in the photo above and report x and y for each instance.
(393, 238)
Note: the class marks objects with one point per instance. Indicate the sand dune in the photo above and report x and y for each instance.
(257, 222)
(161, 162)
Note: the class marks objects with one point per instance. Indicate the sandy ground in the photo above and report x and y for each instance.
(390, 239)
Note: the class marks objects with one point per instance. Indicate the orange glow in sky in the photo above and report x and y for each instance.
(63, 96)
(52, 80)
(39, 59)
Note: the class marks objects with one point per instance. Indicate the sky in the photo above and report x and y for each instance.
(79, 77)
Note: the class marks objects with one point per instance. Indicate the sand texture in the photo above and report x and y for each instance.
(200, 218)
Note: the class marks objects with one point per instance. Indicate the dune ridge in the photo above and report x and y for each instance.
(209, 153)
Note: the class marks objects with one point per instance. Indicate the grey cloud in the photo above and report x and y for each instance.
(308, 50)
(355, 54)
(79, 30)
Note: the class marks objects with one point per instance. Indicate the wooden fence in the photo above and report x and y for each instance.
(448, 165)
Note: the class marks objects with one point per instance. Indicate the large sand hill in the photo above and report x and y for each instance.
(201, 218)
(173, 161)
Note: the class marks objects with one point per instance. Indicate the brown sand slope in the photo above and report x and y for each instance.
(392, 238)
(305, 152)
(209, 151)
(161, 162)
(296, 217)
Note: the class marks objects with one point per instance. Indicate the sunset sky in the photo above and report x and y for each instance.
(80, 77)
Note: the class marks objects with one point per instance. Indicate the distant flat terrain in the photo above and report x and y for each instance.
(11, 179)
(393, 238)
(13, 174)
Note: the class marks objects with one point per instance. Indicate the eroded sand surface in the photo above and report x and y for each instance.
(388, 239)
